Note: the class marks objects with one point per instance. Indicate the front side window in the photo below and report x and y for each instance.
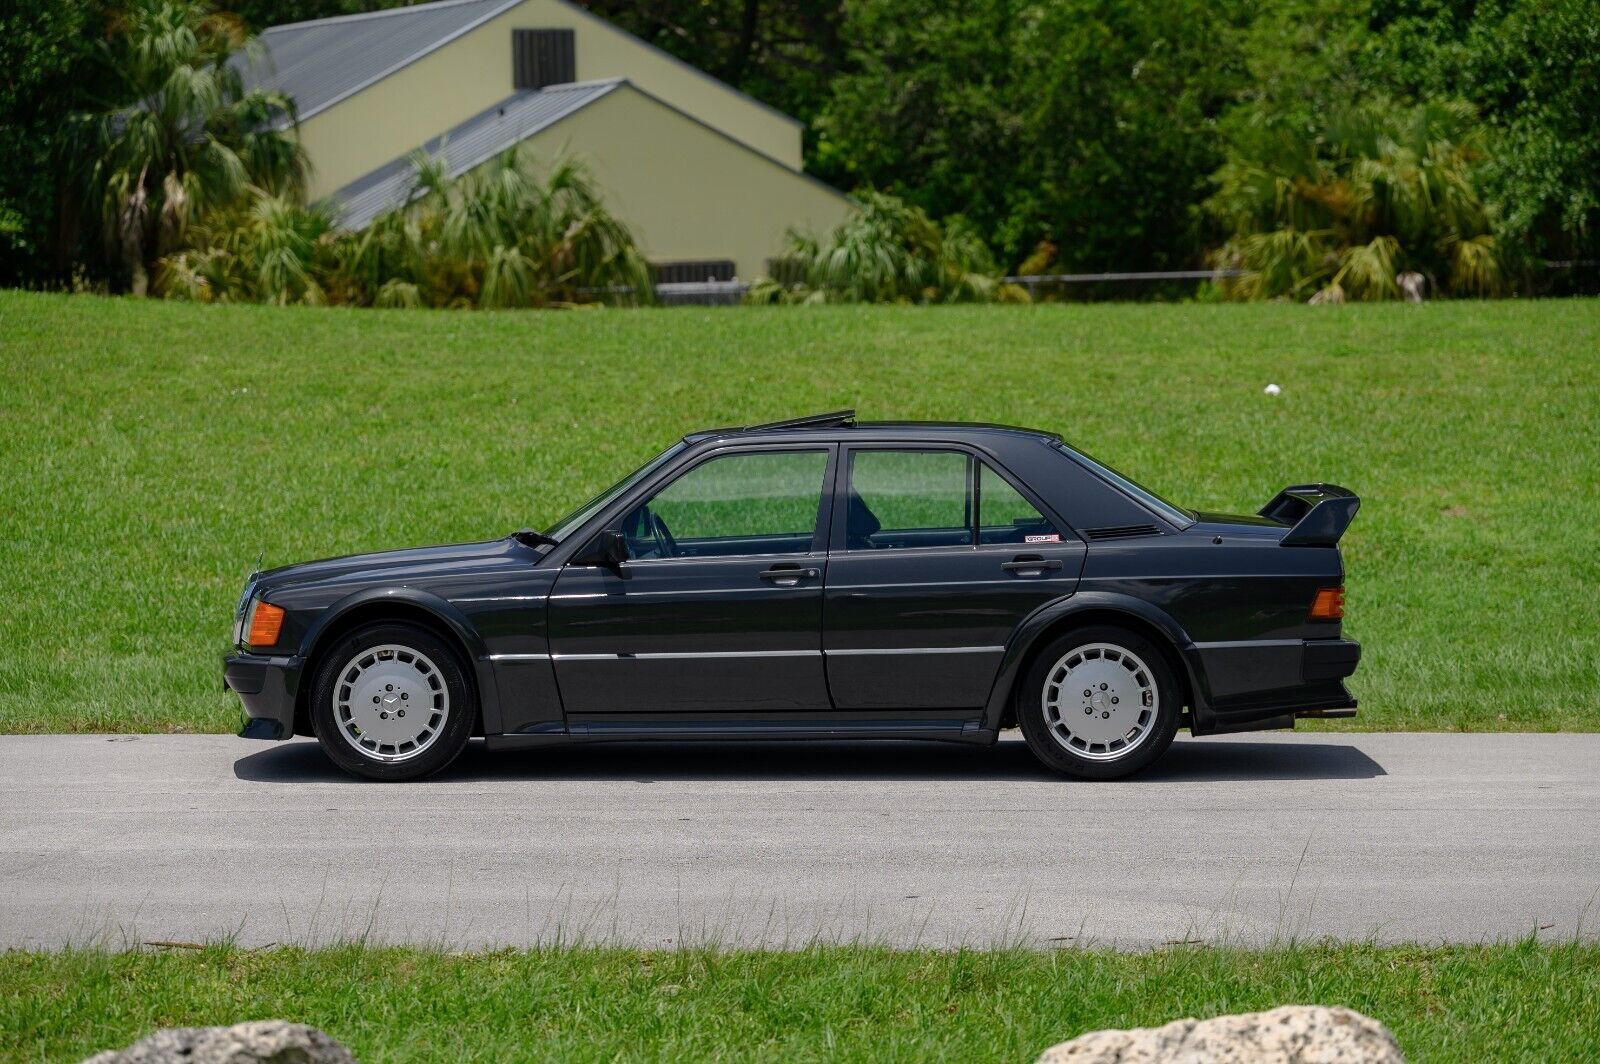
(763, 502)
(908, 499)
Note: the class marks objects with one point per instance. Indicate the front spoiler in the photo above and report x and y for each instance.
(266, 687)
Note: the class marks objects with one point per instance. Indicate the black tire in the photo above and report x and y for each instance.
(1055, 746)
(437, 748)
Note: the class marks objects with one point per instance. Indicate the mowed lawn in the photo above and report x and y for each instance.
(151, 451)
(1513, 1002)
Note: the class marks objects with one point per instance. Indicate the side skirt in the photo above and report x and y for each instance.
(712, 730)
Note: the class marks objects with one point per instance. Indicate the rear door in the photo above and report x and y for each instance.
(936, 556)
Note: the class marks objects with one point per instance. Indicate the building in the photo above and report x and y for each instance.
(708, 178)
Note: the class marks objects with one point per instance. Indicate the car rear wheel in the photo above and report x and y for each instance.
(391, 702)
(1099, 703)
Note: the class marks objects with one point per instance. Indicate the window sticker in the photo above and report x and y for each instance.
(1050, 538)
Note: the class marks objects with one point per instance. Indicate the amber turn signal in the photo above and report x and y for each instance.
(1328, 605)
(265, 621)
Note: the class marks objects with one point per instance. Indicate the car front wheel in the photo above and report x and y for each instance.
(391, 702)
(1099, 703)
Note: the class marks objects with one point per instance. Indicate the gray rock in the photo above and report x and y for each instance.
(1294, 1034)
(257, 1042)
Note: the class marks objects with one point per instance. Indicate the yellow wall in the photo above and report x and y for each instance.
(394, 116)
(686, 191)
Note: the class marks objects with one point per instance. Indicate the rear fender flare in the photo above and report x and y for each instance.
(1052, 617)
(410, 600)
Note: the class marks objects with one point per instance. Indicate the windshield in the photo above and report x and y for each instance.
(570, 523)
(1172, 512)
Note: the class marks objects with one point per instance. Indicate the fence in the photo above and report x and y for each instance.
(730, 293)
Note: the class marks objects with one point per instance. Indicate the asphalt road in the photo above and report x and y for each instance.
(1411, 837)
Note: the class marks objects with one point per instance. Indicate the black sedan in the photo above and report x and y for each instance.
(820, 578)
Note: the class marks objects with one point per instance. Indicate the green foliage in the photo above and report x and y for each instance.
(47, 50)
(1369, 194)
(193, 141)
(887, 252)
(1085, 123)
(1532, 68)
(499, 236)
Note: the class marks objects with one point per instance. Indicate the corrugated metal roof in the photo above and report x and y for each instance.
(321, 62)
(471, 143)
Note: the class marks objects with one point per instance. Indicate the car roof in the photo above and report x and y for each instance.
(842, 425)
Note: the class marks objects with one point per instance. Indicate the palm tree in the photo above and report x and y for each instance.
(502, 235)
(1344, 211)
(182, 136)
(887, 252)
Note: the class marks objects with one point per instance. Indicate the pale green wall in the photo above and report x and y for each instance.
(689, 192)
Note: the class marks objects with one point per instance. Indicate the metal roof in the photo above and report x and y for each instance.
(321, 62)
(469, 144)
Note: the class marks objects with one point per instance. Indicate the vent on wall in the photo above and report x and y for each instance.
(542, 57)
(1121, 531)
(692, 271)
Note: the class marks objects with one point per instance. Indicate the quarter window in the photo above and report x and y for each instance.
(759, 503)
(908, 499)
(1005, 516)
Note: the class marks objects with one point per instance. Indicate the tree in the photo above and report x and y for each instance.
(192, 140)
(1088, 123)
(1373, 192)
(48, 51)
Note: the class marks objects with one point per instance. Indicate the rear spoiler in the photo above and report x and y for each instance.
(1317, 514)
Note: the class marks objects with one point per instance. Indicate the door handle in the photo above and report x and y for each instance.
(793, 572)
(1026, 563)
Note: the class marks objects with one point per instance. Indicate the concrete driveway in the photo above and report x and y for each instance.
(1418, 837)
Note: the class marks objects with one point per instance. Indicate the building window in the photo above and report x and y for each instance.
(688, 272)
(542, 57)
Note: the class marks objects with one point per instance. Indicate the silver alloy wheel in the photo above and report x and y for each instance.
(1100, 701)
(390, 703)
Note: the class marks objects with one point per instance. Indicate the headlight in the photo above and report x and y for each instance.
(240, 610)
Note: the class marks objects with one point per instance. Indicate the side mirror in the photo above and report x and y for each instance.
(609, 548)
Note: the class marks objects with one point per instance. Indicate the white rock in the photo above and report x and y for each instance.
(258, 1042)
(1294, 1034)
(1272, 389)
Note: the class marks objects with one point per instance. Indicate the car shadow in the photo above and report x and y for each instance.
(1189, 760)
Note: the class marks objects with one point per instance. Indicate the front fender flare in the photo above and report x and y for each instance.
(1048, 617)
(443, 611)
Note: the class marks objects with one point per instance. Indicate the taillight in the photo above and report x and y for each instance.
(265, 622)
(1328, 605)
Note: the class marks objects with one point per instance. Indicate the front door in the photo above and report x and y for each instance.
(718, 608)
(937, 557)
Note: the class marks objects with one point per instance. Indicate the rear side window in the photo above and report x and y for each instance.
(1005, 516)
(908, 499)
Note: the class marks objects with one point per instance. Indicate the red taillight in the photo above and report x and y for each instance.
(265, 622)
(1328, 605)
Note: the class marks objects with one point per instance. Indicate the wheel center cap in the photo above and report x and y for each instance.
(1101, 700)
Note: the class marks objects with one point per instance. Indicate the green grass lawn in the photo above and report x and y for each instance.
(1522, 1002)
(150, 451)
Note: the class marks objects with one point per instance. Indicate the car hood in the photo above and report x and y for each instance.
(389, 563)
